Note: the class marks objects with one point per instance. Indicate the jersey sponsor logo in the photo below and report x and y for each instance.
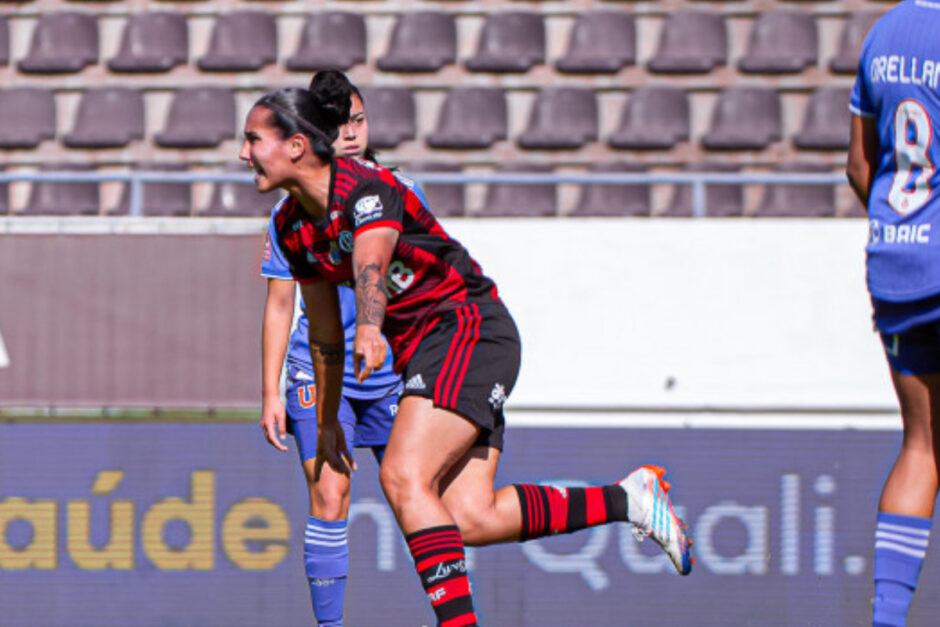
(415, 383)
(399, 277)
(497, 396)
(267, 247)
(898, 233)
(367, 208)
(346, 241)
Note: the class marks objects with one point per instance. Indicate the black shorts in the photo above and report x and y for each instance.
(468, 363)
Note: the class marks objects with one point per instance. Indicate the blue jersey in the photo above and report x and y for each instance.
(380, 382)
(898, 85)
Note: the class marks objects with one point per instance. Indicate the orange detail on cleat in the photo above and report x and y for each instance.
(666, 486)
(659, 471)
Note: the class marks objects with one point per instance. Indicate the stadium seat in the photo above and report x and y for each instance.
(200, 117)
(744, 118)
(653, 118)
(599, 199)
(798, 200)
(27, 116)
(241, 41)
(518, 199)
(691, 41)
(600, 41)
(4, 196)
(331, 40)
(511, 41)
(562, 117)
(826, 120)
(445, 199)
(424, 41)
(391, 114)
(159, 199)
(4, 40)
(155, 41)
(240, 199)
(722, 200)
(471, 117)
(108, 117)
(853, 34)
(781, 41)
(62, 42)
(48, 198)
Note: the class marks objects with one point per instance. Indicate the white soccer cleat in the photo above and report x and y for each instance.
(650, 511)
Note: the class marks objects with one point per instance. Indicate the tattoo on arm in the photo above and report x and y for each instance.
(371, 295)
(326, 353)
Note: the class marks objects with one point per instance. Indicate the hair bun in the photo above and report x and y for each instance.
(332, 92)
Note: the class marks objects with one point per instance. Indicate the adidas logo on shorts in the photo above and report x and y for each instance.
(415, 383)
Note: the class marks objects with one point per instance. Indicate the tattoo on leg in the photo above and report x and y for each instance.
(371, 295)
(326, 353)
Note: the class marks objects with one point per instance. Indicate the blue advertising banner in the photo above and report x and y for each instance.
(202, 525)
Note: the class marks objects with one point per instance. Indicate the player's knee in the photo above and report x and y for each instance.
(329, 501)
(398, 484)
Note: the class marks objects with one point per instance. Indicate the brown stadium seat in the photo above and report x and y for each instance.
(200, 117)
(4, 40)
(512, 41)
(445, 199)
(423, 41)
(744, 118)
(391, 114)
(653, 118)
(159, 199)
(62, 42)
(853, 34)
(518, 199)
(781, 41)
(331, 40)
(691, 41)
(154, 41)
(108, 117)
(4, 196)
(826, 120)
(597, 199)
(241, 41)
(600, 41)
(27, 116)
(799, 200)
(49, 198)
(471, 117)
(562, 117)
(722, 200)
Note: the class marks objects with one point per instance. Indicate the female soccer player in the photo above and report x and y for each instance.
(347, 221)
(366, 409)
(891, 166)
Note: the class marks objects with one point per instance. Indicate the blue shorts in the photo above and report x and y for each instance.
(916, 351)
(365, 421)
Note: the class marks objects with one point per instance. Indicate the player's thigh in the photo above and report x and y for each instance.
(914, 359)
(468, 485)
(425, 443)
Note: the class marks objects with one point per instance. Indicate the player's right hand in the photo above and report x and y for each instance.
(274, 423)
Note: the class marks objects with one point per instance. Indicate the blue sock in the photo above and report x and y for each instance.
(326, 555)
(900, 548)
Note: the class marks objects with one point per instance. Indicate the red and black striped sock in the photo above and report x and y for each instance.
(547, 510)
(440, 560)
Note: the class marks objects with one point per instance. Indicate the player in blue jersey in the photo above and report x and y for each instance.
(366, 412)
(893, 154)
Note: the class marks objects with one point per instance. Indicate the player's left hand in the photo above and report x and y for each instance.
(332, 450)
(368, 351)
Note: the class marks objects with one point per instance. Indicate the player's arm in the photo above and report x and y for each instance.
(327, 353)
(372, 254)
(863, 156)
(275, 335)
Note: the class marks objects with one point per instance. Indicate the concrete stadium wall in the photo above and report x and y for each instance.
(623, 314)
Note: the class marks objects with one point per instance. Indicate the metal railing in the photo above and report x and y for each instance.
(697, 180)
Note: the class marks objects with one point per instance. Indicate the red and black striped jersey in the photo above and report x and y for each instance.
(429, 274)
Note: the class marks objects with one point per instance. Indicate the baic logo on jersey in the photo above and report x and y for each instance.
(367, 208)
